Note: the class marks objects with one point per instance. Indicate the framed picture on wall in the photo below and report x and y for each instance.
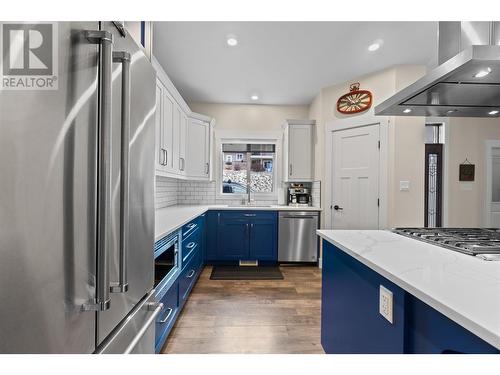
(466, 172)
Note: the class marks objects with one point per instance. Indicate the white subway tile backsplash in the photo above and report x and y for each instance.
(166, 192)
(170, 192)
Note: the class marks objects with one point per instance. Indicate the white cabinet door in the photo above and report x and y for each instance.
(207, 151)
(176, 157)
(182, 143)
(196, 152)
(168, 129)
(159, 151)
(300, 153)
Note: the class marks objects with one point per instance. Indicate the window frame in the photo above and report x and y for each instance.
(225, 136)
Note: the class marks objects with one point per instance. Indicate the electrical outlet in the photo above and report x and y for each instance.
(386, 304)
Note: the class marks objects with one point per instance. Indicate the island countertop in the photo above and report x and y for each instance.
(463, 288)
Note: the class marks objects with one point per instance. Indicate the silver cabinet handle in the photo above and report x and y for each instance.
(182, 164)
(164, 320)
(249, 215)
(166, 156)
(191, 245)
(122, 285)
(105, 41)
(290, 169)
(191, 274)
(207, 168)
(191, 226)
(157, 308)
(161, 157)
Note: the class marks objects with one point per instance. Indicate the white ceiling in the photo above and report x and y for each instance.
(283, 62)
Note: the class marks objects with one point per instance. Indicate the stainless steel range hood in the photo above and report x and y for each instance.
(465, 84)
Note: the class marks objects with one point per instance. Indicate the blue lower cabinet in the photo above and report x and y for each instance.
(212, 222)
(351, 322)
(241, 235)
(232, 236)
(350, 319)
(188, 276)
(430, 332)
(263, 244)
(190, 265)
(166, 319)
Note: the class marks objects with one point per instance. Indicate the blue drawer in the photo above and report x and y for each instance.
(166, 319)
(192, 227)
(189, 275)
(189, 245)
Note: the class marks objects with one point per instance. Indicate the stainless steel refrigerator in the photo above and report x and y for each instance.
(76, 197)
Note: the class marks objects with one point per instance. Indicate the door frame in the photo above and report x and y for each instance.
(490, 145)
(351, 123)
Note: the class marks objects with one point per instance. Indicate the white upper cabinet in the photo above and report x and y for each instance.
(298, 150)
(198, 149)
(182, 138)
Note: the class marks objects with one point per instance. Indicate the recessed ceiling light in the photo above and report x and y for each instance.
(375, 45)
(254, 97)
(232, 41)
(482, 73)
(407, 110)
(492, 113)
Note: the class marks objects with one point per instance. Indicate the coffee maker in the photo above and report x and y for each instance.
(299, 195)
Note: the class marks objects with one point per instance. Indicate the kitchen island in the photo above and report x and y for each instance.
(443, 301)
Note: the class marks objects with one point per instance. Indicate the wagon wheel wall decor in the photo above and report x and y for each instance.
(354, 101)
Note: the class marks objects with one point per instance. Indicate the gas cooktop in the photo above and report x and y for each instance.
(481, 242)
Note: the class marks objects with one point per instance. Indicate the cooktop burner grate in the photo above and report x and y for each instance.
(471, 241)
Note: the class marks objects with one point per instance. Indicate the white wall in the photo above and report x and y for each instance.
(467, 140)
(248, 117)
(406, 140)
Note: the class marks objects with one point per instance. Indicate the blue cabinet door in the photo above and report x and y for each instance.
(210, 246)
(264, 237)
(232, 236)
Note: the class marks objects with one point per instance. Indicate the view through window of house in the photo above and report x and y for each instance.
(247, 162)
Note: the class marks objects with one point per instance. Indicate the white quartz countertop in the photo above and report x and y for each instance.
(463, 288)
(171, 218)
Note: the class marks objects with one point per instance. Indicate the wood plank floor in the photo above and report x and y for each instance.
(264, 316)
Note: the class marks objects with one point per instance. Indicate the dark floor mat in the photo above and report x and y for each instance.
(246, 273)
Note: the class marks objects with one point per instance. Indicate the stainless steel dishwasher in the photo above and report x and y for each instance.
(297, 240)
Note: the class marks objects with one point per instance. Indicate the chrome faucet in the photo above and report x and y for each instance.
(248, 193)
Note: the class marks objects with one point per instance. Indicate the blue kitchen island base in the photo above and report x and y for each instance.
(351, 322)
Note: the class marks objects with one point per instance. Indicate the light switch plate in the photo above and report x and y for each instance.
(404, 185)
(386, 304)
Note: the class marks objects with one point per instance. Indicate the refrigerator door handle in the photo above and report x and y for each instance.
(156, 307)
(105, 41)
(124, 59)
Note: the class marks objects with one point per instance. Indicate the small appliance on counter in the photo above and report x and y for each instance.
(299, 195)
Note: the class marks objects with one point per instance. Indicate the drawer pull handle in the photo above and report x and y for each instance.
(191, 274)
(192, 225)
(191, 245)
(164, 320)
(250, 215)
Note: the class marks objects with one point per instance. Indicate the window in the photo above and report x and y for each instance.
(244, 162)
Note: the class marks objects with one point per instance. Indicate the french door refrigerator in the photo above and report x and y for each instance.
(76, 198)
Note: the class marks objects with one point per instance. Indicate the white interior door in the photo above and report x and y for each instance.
(355, 195)
(493, 179)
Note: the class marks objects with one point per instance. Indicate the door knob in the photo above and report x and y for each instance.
(337, 208)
